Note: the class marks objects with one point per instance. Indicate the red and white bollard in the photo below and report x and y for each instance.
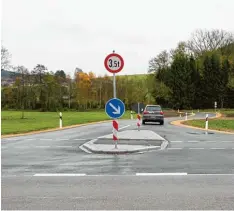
(115, 131)
(138, 121)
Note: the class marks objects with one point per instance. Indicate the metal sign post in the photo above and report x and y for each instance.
(114, 63)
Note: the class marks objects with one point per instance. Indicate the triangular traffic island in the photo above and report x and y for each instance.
(129, 141)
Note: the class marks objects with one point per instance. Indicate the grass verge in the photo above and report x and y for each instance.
(225, 123)
(35, 121)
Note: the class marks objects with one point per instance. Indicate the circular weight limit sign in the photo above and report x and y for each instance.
(114, 63)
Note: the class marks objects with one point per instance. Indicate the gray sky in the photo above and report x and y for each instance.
(64, 34)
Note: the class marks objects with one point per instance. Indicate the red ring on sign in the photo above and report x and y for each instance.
(106, 63)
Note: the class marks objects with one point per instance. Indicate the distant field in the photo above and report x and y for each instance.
(34, 120)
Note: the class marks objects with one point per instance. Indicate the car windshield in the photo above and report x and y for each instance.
(153, 108)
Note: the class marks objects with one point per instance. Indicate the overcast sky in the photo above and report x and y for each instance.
(64, 34)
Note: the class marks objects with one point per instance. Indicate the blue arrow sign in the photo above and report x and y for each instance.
(115, 108)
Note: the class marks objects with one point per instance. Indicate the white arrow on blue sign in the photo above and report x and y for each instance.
(115, 108)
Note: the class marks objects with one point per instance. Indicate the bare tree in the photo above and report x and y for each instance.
(162, 60)
(5, 58)
(23, 76)
(204, 40)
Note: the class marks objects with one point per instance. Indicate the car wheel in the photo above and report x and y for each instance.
(143, 122)
(162, 123)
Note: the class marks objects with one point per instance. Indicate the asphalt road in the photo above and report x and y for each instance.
(110, 181)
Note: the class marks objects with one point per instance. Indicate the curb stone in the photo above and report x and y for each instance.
(180, 123)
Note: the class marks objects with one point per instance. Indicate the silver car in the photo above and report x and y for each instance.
(153, 113)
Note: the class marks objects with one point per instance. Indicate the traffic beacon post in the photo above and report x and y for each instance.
(114, 108)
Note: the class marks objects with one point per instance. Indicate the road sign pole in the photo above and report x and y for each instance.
(115, 136)
(115, 108)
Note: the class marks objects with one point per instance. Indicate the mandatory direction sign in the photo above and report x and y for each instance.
(114, 63)
(115, 108)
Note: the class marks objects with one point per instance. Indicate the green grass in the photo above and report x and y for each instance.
(13, 124)
(224, 123)
(216, 124)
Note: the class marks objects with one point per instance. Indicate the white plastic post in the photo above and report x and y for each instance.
(206, 127)
(186, 116)
(60, 120)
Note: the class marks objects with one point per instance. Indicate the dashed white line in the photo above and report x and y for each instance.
(176, 141)
(62, 139)
(227, 141)
(42, 146)
(210, 174)
(193, 141)
(30, 139)
(45, 139)
(64, 146)
(162, 174)
(217, 148)
(124, 127)
(80, 139)
(59, 175)
(12, 139)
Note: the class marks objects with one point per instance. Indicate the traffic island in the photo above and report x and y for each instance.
(129, 141)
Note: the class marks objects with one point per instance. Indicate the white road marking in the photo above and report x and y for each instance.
(46, 139)
(176, 141)
(12, 139)
(174, 148)
(217, 148)
(227, 141)
(124, 127)
(161, 174)
(193, 141)
(59, 175)
(64, 146)
(20, 147)
(84, 149)
(80, 139)
(112, 133)
(30, 139)
(210, 174)
(196, 148)
(42, 146)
